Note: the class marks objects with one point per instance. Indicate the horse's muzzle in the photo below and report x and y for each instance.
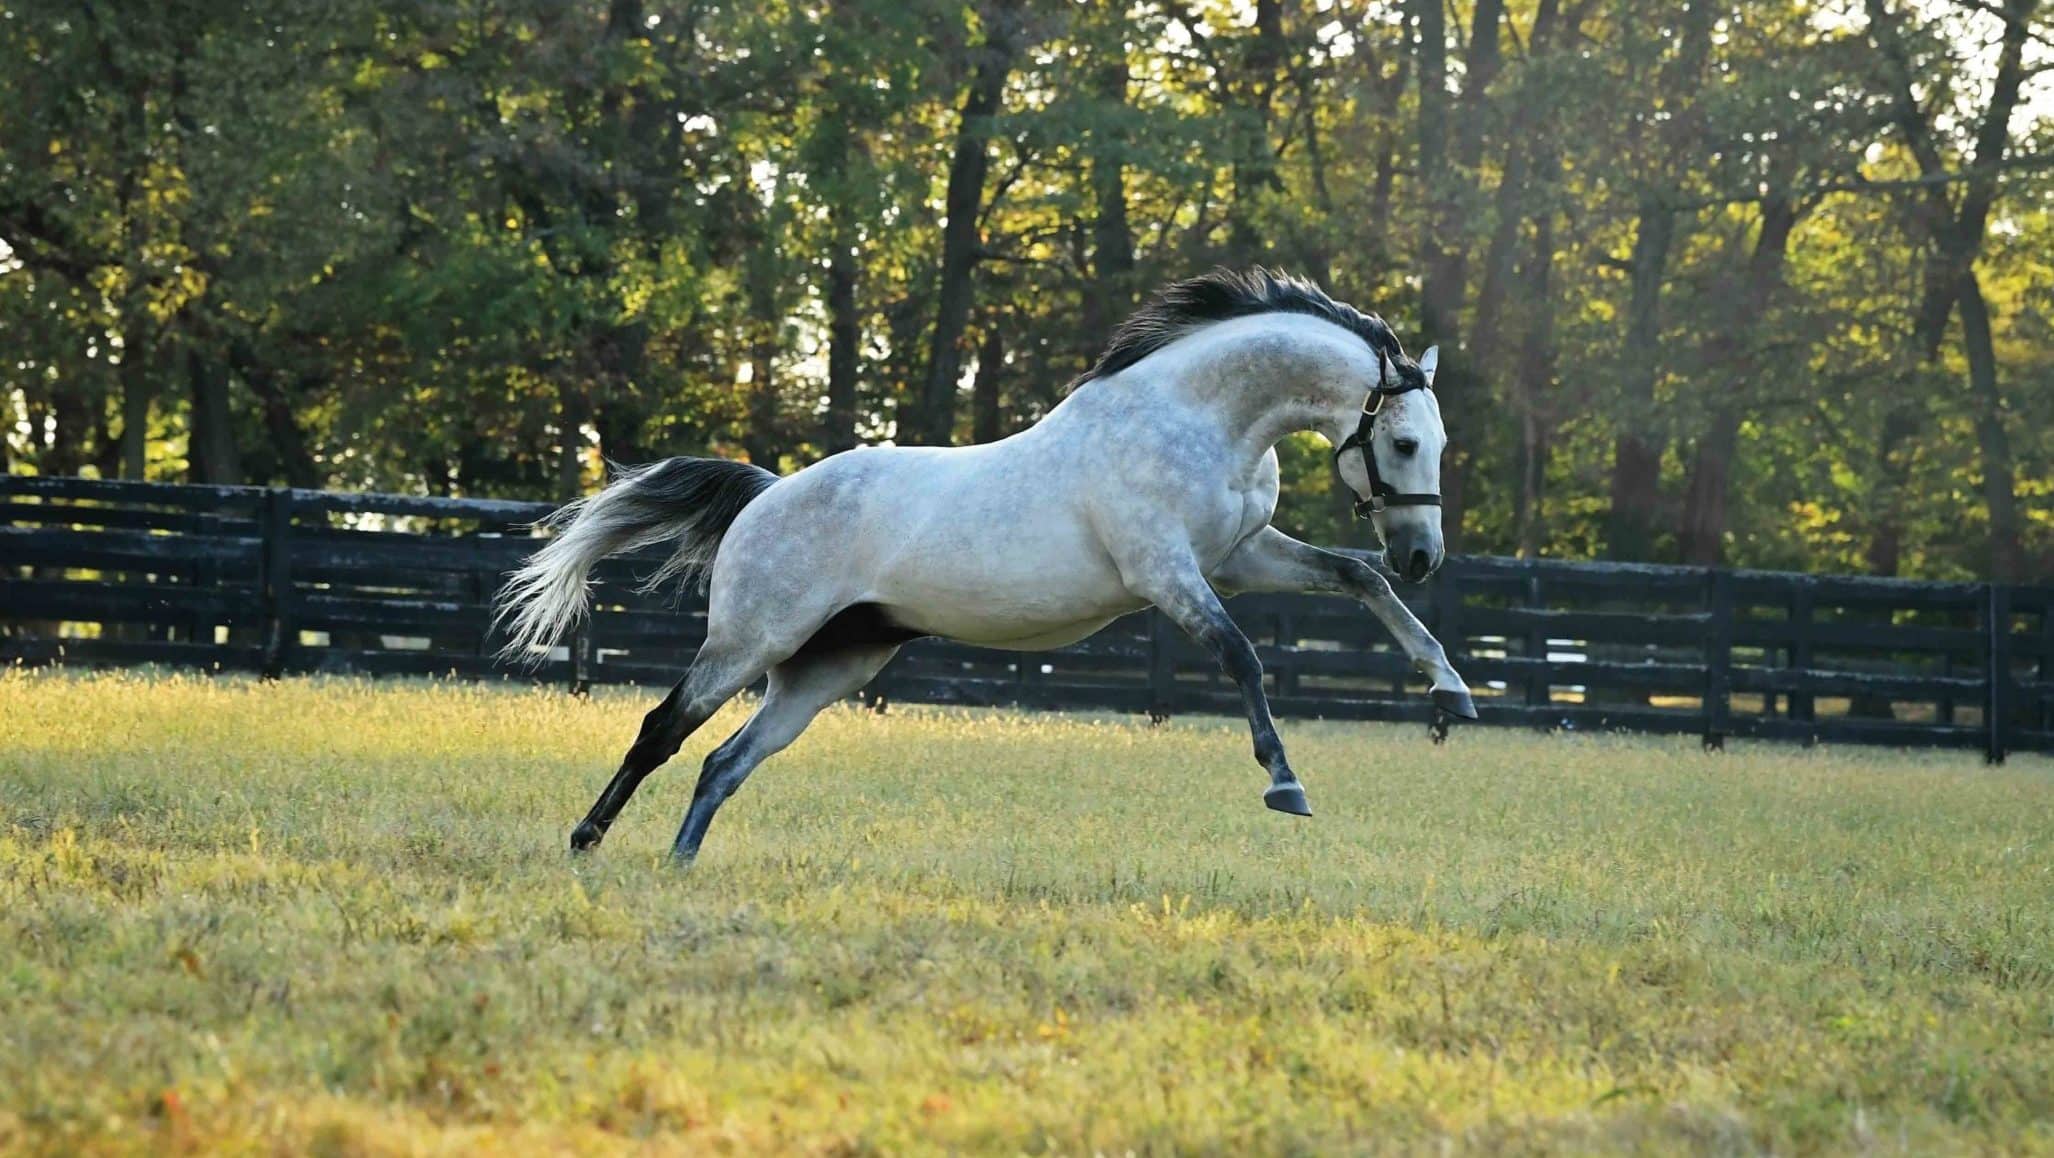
(1413, 557)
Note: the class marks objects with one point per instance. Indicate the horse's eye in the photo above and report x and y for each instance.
(1407, 446)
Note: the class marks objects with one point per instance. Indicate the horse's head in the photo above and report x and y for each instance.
(1397, 475)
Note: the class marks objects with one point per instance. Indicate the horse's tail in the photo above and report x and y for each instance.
(692, 501)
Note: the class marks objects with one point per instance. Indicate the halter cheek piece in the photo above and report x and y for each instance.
(1381, 493)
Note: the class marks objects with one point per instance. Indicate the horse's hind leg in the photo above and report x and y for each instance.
(718, 672)
(799, 688)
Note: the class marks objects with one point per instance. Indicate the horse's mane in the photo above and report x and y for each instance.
(1223, 294)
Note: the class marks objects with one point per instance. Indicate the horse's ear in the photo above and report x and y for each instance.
(1428, 362)
(1386, 372)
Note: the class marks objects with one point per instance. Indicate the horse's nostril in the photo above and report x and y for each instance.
(1420, 565)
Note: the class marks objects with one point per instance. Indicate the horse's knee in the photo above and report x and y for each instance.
(1358, 576)
(702, 708)
(721, 775)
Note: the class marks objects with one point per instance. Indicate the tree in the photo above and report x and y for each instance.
(933, 418)
(1728, 282)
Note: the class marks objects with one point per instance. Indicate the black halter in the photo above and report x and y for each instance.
(1381, 493)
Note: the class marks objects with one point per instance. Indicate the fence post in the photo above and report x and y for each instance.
(280, 632)
(1997, 669)
(2045, 672)
(1287, 637)
(1799, 704)
(1719, 660)
(1539, 683)
(1162, 667)
(1447, 610)
(1447, 597)
(581, 657)
(204, 575)
(478, 585)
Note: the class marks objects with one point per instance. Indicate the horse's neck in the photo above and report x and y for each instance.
(1269, 376)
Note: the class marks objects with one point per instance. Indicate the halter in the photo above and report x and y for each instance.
(1381, 493)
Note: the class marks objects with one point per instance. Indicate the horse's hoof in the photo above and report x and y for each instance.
(1455, 702)
(1287, 798)
(586, 837)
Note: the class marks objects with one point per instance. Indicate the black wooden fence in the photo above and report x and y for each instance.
(249, 579)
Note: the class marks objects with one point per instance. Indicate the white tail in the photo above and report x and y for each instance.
(690, 500)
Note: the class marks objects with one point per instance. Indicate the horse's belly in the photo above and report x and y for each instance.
(1012, 626)
(1043, 639)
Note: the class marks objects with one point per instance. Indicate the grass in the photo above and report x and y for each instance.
(335, 917)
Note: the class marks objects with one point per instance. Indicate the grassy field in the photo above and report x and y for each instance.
(336, 917)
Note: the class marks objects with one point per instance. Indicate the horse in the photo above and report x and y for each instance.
(1152, 483)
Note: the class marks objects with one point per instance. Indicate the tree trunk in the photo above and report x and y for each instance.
(844, 339)
(1390, 96)
(288, 442)
(71, 421)
(2000, 483)
(1637, 451)
(1440, 263)
(1111, 293)
(618, 419)
(1437, 305)
(135, 315)
(135, 395)
(1885, 551)
(573, 408)
(762, 439)
(1446, 162)
(1707, 491)
(106, 443)
(987, 416)
(1956, 238)
(1255, 161)
(1701, 540)
(1993, 144)
(1529, 154)
(837, 145)
(1480, 68)
(281, 425)
(1637, 457)
(211, 451)
(1498, 252)
(1532, 380)
(934, 420)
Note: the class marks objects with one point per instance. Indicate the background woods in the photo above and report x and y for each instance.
(1765, 283)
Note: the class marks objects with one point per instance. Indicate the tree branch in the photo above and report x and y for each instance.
(40, 241)
(2010, 166)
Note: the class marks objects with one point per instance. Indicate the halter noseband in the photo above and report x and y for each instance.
(1381, 493)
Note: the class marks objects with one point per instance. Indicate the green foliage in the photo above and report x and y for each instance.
(347, 924)
(476, 248)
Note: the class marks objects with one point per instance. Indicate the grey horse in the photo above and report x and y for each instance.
(1152, 483)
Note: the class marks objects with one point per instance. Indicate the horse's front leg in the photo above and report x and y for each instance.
(1176, 586)
(1272, 561)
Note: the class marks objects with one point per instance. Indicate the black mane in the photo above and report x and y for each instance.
(1223, 294)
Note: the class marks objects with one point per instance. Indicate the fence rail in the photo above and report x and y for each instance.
(274, 581)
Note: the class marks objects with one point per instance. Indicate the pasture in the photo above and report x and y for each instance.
(333, 916)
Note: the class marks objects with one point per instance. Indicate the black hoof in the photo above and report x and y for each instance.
(1455, 703)
(1287, 798)
(586, 837)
